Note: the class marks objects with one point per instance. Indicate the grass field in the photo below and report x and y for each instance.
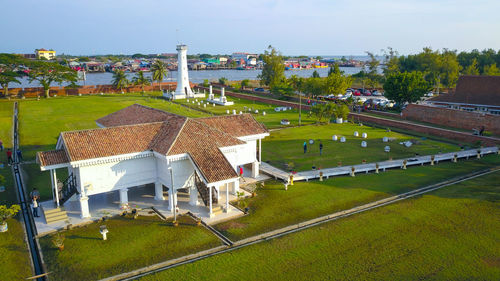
(271, 120)
(42, 121)
(131, 244)
(273, 207)
(14, 255)
(33, 177)
(449, 234)
(286, 145)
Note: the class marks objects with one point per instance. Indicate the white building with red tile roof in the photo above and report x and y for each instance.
(139, 145)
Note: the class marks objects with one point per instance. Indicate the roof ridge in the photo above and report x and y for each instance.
(109, 128)
(177, 136)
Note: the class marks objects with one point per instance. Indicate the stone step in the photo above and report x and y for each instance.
(55, 210)
(55, 215)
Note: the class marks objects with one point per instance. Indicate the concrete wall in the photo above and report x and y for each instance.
(433, 131)
(112, 176)
(452, 117)
(245, 155)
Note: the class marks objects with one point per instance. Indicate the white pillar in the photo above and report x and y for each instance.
(123, 197)
(159, 191)
(236, 186)
(260, 151)
(53, 179)
(218, 192)
(170, 199)
(193, 196)
(84, 206)
(210, 89)
(255, 169)
(227, 197)
(210, 214)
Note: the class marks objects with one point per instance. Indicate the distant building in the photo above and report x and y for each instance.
(46, 54)
(223, 60)
(473, 93)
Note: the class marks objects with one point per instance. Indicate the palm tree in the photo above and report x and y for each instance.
(120, 79)
(159, 70)
(141, 80)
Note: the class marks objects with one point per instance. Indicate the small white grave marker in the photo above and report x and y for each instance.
(363, 144)
(385, 139)
(342, 139)
(227, 111)
(356, 134)
(335, 138)
(387, 148)
(264, 113)
(364, 135)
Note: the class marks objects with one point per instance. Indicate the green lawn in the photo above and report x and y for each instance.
(33, 177)
(274, 208)
(42, 121)
(286, 145)
(14, 255)
(271, 120)
(131, 244)
(449, 234)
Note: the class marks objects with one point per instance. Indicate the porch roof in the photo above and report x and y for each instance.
(53, 158)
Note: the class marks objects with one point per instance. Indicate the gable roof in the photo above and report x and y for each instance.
(474, 89)
(53, 157)
(137, 114)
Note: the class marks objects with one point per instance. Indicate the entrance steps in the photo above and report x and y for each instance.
(55, 215)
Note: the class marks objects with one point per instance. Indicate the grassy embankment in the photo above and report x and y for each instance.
(449, 234)
(273, 207)
(14, 254)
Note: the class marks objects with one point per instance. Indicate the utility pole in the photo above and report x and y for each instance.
(300, 107)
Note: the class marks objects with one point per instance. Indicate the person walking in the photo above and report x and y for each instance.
(241, 171)
(9, 156)
(35, 207)
(305, 147)
(19, 155)
(320, 148)
(1, 145)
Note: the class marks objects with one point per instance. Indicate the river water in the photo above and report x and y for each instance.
(196, 76)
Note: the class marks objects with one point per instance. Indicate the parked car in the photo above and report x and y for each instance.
(259, 90)
(376, 93)
(367, 93)
(356, 93)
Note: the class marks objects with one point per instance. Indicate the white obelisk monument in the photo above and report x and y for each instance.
(183, 88)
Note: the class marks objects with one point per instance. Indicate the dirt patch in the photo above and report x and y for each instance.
(492, 261)
(232, 224)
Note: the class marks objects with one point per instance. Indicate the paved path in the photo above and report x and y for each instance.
(370, 167)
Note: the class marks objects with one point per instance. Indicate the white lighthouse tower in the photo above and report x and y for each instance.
(183, 88)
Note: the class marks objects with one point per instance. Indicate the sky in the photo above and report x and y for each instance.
(294, 27)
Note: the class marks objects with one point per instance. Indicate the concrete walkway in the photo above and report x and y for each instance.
(371, 167)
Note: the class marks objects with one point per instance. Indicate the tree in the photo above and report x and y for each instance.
(245, 83)
(8, 64)
(406, 87)
(449, 68)
(315, 74)
(319, 111)
(336, 83)
(283, 89)
(141, 80)
(159, 70)
(372, 64)
(313, 86)
(472, 68)
(273, 71)
(120, 80)
(223, 80)
(491, 70)
(391, 62)
(335, 69)
(46, 73)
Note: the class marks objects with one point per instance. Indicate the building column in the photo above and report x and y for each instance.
(236, 186)
(159, 191)
(210, 214)
(123, 198)
(171, 199)
(255, 169)
(193, 196)
(84, 206)
(260, 151)
(218, 193)
(55, 190)
(227, 197)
